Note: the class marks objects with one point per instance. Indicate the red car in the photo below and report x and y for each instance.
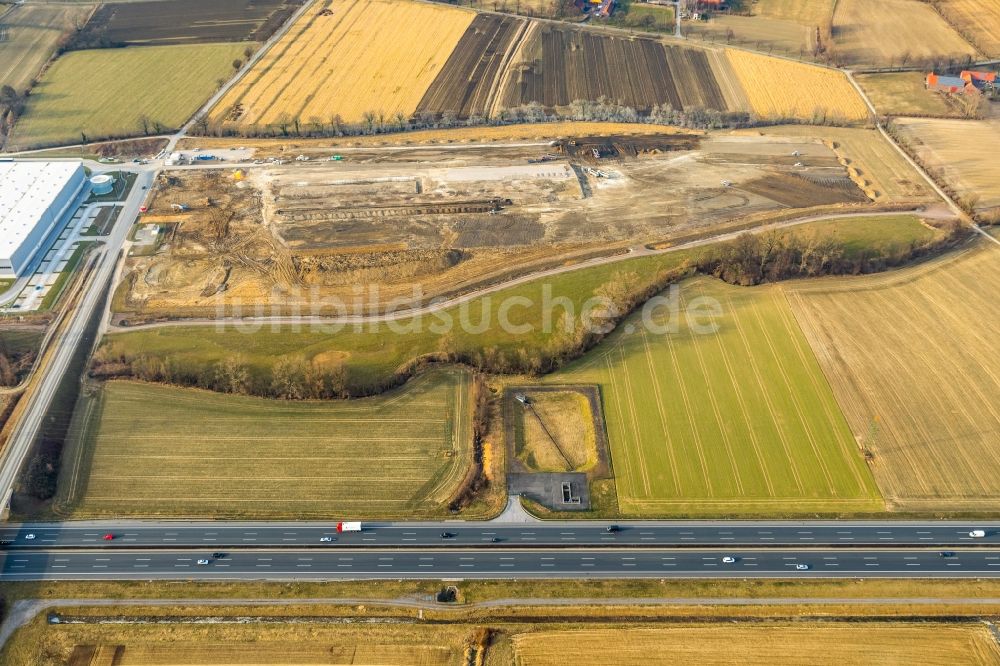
(109, 537)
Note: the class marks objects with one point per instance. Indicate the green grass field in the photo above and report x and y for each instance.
(880, 233)
(736, 422)
(93, 95)
(143, 449)
(644, 17)
(903, 93)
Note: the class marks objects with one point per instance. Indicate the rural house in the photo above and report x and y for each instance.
(983, 81)
(949, 84)
(966, 83)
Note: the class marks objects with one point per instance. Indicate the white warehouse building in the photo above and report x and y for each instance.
(34, 198)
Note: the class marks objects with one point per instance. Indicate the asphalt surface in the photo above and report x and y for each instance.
(175, 535)
(496, 563)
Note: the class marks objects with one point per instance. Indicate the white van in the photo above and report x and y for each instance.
(977, 534)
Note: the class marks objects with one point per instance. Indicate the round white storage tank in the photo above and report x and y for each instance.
(102, 184)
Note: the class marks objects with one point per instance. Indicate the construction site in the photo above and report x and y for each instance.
(289, 229)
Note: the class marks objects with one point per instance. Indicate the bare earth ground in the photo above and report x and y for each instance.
(911, 358)
(284, 236)
(881, 169)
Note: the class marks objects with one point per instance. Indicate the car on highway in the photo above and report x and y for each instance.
(218, 556)
(203, 562)
(495, 539)
(29, 537)
(802, 567)
(613, 529)
(326, 539)
(977, 534)
(108, 537)
(946, 553)
(447, 535)
(729, 559)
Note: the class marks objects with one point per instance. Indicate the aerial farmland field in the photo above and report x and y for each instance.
(736, 421)
(977, 20)
(369, 57)
(762, 645)
(911, 358)
(470, 81)
(812, 13)
(891, 31)
(28, 37)
(92, 95)
(167, 22)
(145, 449)
(779, 89)
(558, 65)
(963, 152)
(141, 642)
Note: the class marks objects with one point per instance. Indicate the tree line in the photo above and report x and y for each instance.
(750, 259)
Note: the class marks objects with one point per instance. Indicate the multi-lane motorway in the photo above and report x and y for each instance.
(496, 563)
(203, 535)
(281, 551)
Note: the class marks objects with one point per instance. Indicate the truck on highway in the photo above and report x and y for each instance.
(349, 527)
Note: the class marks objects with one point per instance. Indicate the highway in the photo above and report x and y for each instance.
(562, 534)
(496, 563)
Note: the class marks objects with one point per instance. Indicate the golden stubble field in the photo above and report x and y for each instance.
(977, 20)
(321, 68)
(911, 356)
(889, 31)
(964, 152)
(815, 645)
(778, 88)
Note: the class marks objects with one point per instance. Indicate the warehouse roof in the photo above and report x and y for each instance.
(27, 190)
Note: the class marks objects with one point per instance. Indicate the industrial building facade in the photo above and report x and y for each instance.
(34, 198)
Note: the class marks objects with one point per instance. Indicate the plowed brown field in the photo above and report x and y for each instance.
(470, 80)
(562, 65)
